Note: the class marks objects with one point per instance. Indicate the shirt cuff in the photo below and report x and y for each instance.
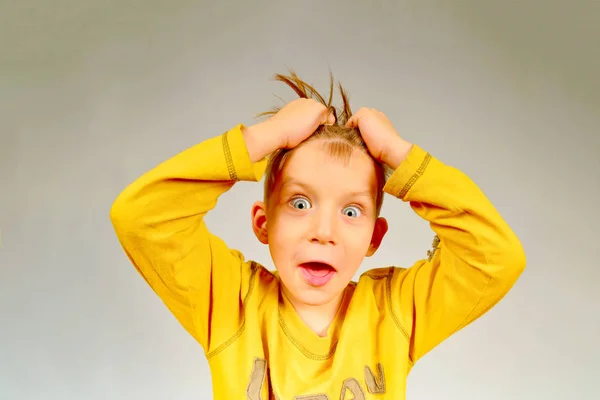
(408, 173)
(239, 165)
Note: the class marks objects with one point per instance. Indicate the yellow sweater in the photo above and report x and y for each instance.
(257, 347)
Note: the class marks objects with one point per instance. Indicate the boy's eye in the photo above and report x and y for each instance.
(351, 212)
(300, 204)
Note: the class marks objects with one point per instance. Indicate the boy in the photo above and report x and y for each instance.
(307, 331)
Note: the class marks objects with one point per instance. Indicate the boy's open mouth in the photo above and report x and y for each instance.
(317, 273)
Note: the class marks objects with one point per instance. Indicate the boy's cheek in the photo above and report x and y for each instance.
(289, 226)
(357, 237)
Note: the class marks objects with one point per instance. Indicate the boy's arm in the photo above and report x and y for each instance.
(159, 220)
(476, 263)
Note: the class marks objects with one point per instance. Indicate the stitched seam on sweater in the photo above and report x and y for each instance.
(302, 349)
(307, 353)
(228, 157)
(399, 324)
(413, 179)
(243, 326)
(388, 295)
(375, 277)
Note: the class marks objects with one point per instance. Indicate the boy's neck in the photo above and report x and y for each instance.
(317, 318)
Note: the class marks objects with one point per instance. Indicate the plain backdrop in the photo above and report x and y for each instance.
(94, 93)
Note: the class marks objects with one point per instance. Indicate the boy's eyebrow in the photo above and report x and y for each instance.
(291, 181)
(288, 181)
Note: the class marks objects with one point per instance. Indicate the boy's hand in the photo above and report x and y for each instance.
(295, 122)
(381, 137)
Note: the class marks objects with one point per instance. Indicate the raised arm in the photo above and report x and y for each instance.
(476, 261)
(159, 220)
(478, 257)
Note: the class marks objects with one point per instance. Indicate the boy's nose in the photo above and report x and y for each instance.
(324, 229)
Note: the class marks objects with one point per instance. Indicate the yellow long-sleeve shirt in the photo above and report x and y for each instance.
(256, 345)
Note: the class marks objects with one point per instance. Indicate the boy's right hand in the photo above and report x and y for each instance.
(295, 122)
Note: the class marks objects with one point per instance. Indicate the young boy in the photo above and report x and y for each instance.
(307, 331)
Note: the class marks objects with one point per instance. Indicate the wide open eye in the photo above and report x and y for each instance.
(352, 212)
(300, 203)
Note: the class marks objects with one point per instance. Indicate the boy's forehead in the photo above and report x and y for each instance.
(315, 166)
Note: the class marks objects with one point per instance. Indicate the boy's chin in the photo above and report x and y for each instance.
(315, 297)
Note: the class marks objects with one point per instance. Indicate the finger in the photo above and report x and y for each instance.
(376, 112)
(330, 119)
(327, 117)
(353, 121)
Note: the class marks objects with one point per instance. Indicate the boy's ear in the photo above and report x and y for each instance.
(259, 222)
(381, 228)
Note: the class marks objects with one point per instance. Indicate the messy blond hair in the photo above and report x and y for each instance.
(339, 140)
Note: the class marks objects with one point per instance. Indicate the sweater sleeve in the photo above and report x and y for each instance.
(476, 259)
(159, 221)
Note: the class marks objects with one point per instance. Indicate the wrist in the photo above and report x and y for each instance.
(397, 153)
(261, 140)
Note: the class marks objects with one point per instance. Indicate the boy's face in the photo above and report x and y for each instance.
(320, 222)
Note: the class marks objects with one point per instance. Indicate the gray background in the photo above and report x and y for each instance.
(94, 93)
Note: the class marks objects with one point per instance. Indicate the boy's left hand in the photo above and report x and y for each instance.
(381, 137)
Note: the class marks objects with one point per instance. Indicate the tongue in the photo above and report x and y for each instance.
(317, 269)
